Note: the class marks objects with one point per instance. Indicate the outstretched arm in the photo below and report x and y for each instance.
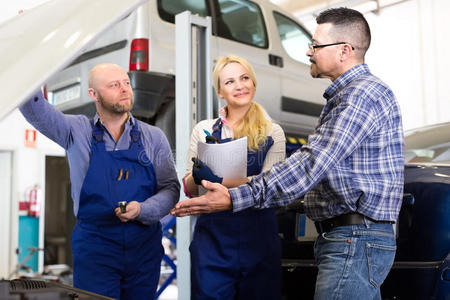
(216, 199)
(339, 135)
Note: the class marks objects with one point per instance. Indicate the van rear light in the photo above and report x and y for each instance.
(139, 55)
(44, 91)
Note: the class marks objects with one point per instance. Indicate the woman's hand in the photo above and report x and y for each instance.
(200, 171)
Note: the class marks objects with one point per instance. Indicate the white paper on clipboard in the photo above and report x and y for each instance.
(227, 160)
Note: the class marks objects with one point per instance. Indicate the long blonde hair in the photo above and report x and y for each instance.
(254, 125)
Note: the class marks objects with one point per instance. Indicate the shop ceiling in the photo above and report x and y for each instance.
(305, 9)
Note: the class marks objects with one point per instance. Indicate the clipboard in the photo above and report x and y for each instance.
(227, 160)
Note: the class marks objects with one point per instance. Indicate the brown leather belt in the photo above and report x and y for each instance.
(345, 220)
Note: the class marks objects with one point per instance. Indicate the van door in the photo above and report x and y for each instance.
(241, 31)
(163, 31)
(301, 95)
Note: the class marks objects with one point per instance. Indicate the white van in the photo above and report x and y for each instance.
(144, 44)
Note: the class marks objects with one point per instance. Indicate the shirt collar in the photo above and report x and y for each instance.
(131, 120)
(345, 79)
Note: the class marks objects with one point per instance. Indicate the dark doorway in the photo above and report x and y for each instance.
(59, 217)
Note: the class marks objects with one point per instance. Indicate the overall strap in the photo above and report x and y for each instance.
(255, 159)
(135, 133)
(217, 129)
(217, 132)
(97, 132)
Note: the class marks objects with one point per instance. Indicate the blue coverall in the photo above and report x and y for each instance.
(237, 255)
(111, 258)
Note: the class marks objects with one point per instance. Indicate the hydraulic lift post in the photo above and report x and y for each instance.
(193, 104)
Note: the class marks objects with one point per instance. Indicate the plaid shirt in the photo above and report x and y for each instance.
(352, 163)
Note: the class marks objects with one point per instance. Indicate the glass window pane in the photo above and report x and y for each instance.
(293, 38)
(436, 153)
(169, 8)
(241, 21)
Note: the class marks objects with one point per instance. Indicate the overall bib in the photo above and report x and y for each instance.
(237, 255)
(111, 258)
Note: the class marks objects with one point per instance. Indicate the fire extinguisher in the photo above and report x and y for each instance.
(34, 201)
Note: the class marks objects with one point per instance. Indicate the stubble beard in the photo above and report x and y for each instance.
(116, 108)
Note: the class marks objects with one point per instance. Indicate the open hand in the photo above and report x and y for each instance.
(216, 199)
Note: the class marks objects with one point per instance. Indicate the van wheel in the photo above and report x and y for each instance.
(165, 120)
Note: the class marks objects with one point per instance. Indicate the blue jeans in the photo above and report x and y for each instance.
(353, 261)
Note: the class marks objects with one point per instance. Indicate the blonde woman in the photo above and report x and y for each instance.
(236, 255)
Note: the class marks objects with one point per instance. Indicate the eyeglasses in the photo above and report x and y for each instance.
(313, 46)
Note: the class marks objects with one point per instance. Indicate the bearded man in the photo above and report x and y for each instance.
(113, 158)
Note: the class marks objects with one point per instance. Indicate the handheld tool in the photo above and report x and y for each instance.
(123, 206)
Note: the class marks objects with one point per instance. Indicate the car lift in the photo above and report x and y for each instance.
(193, 103)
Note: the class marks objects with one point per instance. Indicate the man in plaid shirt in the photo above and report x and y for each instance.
(350, 172)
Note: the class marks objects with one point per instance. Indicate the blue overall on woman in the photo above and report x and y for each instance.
(237, 255)
(111, 258)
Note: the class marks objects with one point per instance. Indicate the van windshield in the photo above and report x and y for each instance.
(437, 153)
(428, 144)
(169, 8)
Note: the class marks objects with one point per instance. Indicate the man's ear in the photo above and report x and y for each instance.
(346, 51)
(93, 94)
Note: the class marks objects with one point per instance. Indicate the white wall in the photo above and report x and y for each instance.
(409, 51)
(28, 169)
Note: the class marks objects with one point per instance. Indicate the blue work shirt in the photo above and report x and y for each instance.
(353, 162)
(74, 134)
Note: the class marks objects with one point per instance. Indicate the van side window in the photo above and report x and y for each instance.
(169, 8)
(241, 21)
(293, 38)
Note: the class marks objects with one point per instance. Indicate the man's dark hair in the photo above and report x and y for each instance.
(349, 26)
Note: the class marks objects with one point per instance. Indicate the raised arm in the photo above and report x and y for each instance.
(49, 121)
